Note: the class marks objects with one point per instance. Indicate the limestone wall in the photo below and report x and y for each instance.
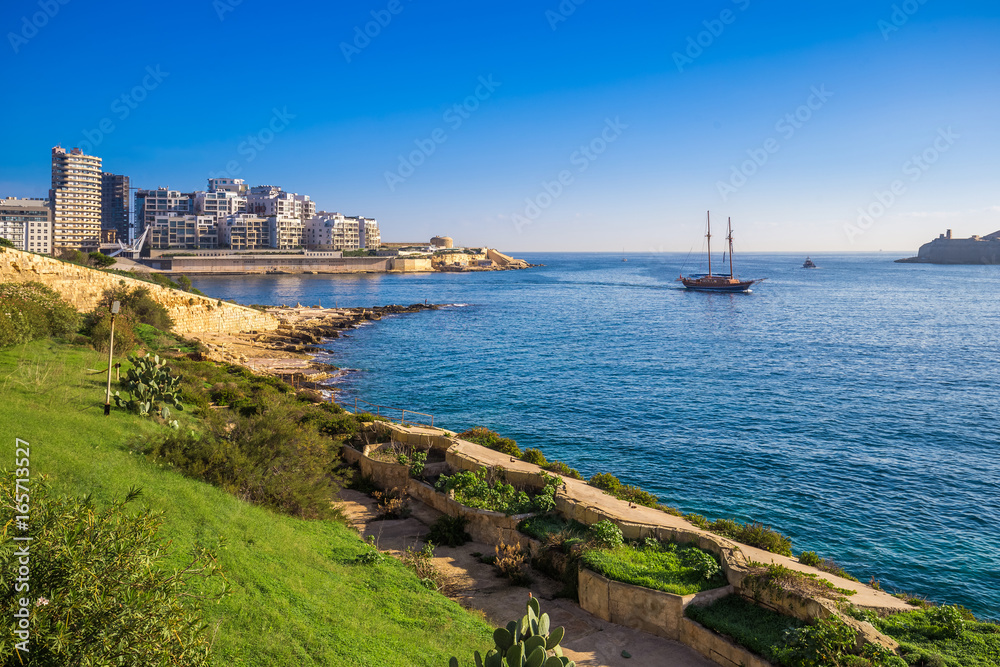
(82, 287)
(717, 648)
(655, 612)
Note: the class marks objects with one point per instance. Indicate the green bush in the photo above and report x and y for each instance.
(29, 311)
(449, 531)
(945, 635)
(612, 485)
(534, 457)
(822, 644)
(483, 489)
(811, 559)
(99, 593)
(100, 260)
(151, 387)
(606, 535)
(606, 482)
(754, 534)
(487, 438)
(276, 458)
(561, 468)
(137, 303)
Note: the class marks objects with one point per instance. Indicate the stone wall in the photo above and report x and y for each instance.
(717, 648)
(655, 612)
(82, 287)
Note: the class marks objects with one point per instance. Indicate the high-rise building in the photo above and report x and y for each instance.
(115, 205)
(268, 200)
(27, 223)
(75, 199)
(245, 232)
(187, 232)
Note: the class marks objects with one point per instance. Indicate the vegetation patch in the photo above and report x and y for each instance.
(751, 533)
(29, 311)
(778, 579)
(486, 489)
(681, 570)
(945, 636)
(755, 628)
(491, 440)
(613, 486)
(810, 558)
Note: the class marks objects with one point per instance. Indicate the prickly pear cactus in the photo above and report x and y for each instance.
(528, 642)
(151, 387)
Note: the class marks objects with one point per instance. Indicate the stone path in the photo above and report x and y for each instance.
(589, 641)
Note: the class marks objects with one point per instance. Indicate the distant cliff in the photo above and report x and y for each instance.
(946, 250)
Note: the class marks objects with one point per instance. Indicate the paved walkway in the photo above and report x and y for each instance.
(589, 641)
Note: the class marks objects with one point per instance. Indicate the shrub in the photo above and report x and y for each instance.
(487, 438)
(271, 459)
(561, 468)
(29, 311)
(606, 482)
(754, 534)
(703, 563)
(811, 559)
(98, 328)
(392, 504)
(138, 303)
(100, 260)
(606, 534)
(510, 561)
(533, 456)
(421, 561)
(100, 592)
(449, 531)
(417, 464)
(483, 490)
(821, 644)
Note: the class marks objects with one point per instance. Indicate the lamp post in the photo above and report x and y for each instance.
(115, 307)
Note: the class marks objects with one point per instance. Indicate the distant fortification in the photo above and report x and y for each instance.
(82, 287)
(947, 250)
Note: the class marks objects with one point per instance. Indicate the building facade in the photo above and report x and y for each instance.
(27, 223)
(271, 200)
(285, 233)
(115, 205)
(333, 231)
(245, 231)
(160, 202)
(75, 199)
(183, 232)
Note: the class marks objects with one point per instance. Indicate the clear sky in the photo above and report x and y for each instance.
(579, 125)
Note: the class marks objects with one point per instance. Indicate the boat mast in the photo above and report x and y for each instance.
(709, 237)
(730, 247)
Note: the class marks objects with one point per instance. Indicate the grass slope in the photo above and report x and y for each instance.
(298, 597)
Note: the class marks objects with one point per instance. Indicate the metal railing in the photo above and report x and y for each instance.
(378, 412)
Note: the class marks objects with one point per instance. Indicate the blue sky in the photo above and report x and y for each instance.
(580, 125)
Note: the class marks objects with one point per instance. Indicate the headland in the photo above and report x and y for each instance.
(947, 250)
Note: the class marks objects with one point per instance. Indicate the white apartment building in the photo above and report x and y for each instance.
(27, 223)
(75, 199)
(286, 233)
(369, 234)
(245, 231)
(183, 232)
(237, 185)
(160, 202)
(219, 204)
(333, 231)
(271, 200)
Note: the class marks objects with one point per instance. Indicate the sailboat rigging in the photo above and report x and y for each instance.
(718, 283)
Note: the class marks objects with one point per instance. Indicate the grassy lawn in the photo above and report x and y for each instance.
(924, 639)
(756, 629)
(298, 598)
(656, 567)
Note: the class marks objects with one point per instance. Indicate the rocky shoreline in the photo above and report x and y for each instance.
(289, 351)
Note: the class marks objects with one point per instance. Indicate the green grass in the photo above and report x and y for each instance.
(924, 642)
(298, 598)
(756, 629)
(652, 567)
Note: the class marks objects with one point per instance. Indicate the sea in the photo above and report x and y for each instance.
(854, 407)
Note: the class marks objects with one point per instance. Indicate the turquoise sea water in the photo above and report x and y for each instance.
(854, 407)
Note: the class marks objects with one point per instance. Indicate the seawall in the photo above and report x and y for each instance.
(83, 287)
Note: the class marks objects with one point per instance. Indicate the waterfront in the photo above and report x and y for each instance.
(853, 407)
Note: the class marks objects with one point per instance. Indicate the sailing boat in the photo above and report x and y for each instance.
(624, 258)
(721, 283)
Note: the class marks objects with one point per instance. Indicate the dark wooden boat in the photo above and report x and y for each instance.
(721, 283)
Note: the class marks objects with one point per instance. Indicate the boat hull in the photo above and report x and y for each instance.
(717, 285)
